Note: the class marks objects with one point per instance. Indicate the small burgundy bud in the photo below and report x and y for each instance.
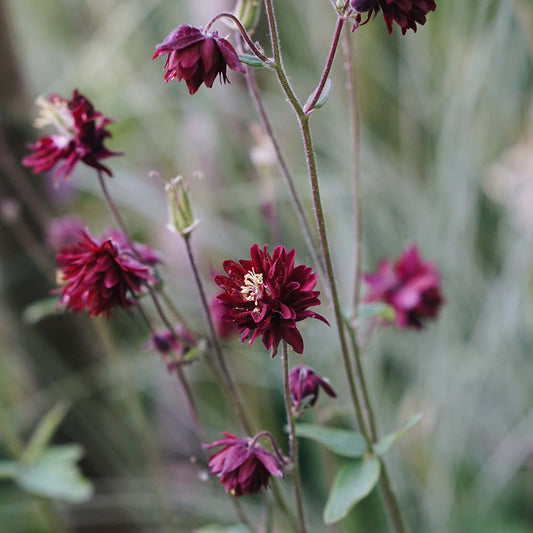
(304, 386)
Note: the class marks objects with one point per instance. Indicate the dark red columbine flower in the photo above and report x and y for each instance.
(406, 13)
(411, 286)
(305, 385)
(242, 465)
(98, 276)
(267, 295)
(64, 232)
(80, 136)
(197, 55)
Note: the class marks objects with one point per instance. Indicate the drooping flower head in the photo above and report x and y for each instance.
(410, 285)
(267, 295)
(98, 276)
(80, 136)
(406, 13)
(243, 466)
(197, 56)
(304, 386)
(64, 232)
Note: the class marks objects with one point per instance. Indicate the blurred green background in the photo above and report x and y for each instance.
(447, 162)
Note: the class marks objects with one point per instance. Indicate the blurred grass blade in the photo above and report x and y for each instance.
(8, 469)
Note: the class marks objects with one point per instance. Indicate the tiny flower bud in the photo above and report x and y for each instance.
(304, 385)
(247, 11)
(181, 219)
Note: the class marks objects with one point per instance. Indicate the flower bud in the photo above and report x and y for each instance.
(181, 219)
(247, 11)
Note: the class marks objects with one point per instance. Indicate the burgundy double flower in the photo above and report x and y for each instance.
(242, 465)
(304, 386)
(267, 295)
(406, 13)
(197, 56)
(410, 285)
(98, 276)
(80, 136)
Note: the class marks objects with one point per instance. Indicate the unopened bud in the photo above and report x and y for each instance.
(181, 219)
(247, 11)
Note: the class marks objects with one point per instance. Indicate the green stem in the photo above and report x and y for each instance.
(303, 119)
(293, 442)
(215, 344)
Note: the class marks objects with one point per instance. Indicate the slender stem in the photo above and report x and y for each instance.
(215, 345)
(303, 119)
(329, 62)
(242, 31)
(356, 169)
(293, 442)
(284, 169)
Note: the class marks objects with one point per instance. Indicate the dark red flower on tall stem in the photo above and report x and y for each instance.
(197, 56)
(410, 285)
(304, 386)
(242, 465)
(406, 13)
(267, 295)
(99, 276)
(80, 136)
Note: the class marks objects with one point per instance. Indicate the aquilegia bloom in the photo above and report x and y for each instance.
(304, 386)
(411, 286)
(242, 465)
(80, 136)
(267, 295)
(406, 13)
(98, 276)
(197, 56)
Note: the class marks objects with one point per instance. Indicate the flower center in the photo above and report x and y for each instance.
(55, 112)
(253, 287)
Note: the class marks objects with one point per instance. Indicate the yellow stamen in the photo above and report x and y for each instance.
(252, 290)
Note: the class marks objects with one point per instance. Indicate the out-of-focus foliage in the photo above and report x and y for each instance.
(446, 153)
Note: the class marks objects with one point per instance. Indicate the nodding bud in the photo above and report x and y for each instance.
(247, 11)
(181, 219)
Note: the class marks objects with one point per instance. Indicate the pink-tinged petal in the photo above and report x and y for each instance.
(230, 56)
(270, 462)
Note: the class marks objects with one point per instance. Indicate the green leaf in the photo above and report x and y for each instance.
(353, 482)
(251, 60)
(8, 469)
(377, 310)
(388, 440)
(44, 432)
(41, 309)
(55, 475)
(343, 442)
(322, 99)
